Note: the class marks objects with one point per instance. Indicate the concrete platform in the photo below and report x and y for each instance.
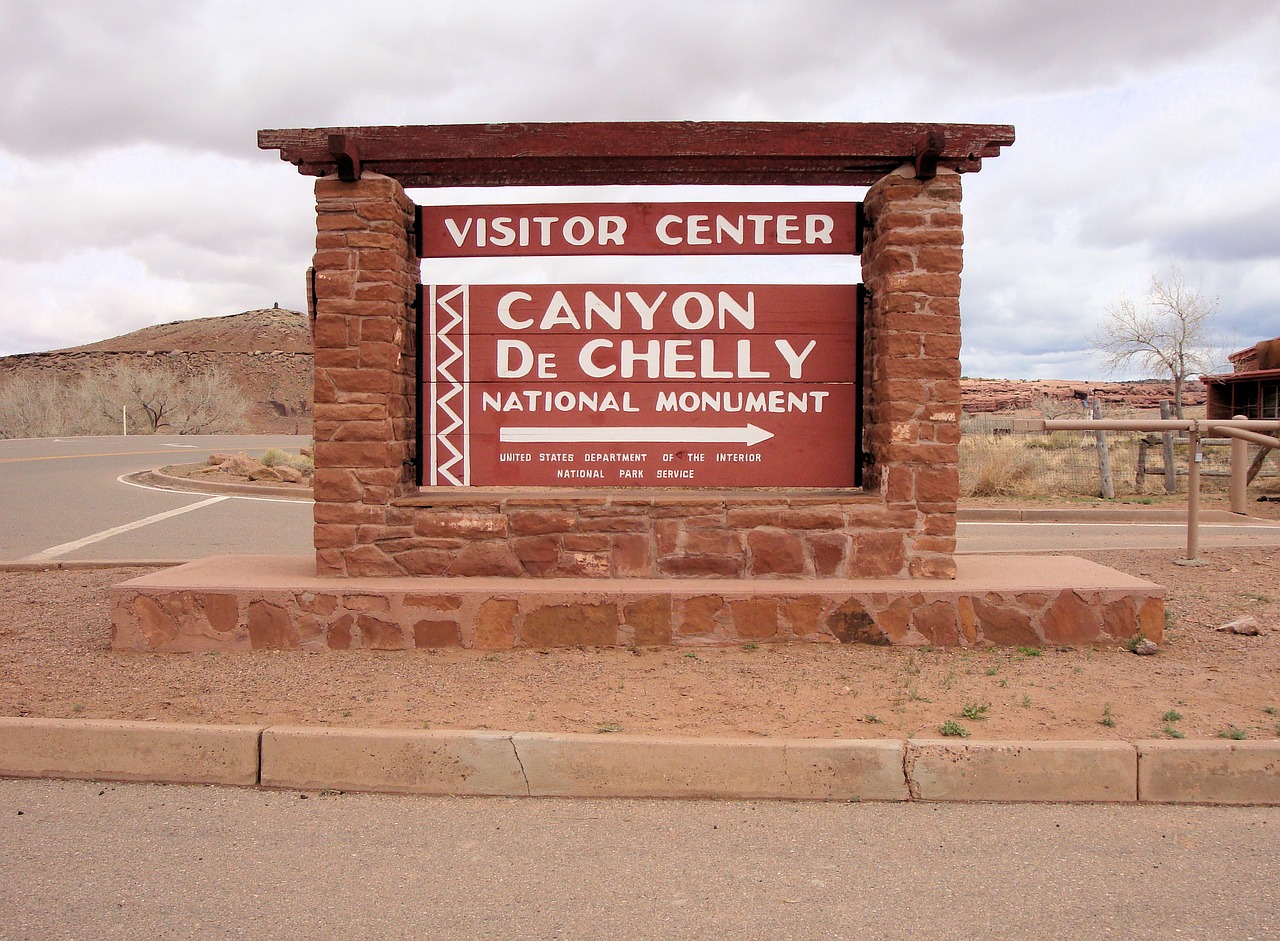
(235, 603)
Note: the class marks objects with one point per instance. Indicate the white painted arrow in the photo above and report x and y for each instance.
(750, 435)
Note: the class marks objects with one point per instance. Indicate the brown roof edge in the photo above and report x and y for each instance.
(841, 153)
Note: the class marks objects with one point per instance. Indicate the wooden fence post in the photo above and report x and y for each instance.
(1170, 468)
(1104, 456)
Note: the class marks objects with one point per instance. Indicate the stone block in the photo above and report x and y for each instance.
(108, 750)
(634, 766)
(1213, 772)
(775, 552)
(495, 627)
(592, 625)
(942, 769)
(649, 620)
(392, 761)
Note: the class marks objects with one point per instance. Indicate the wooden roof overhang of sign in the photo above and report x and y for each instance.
(660, 152)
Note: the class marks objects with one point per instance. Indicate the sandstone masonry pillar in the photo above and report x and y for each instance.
(366, 277)
(912, 256)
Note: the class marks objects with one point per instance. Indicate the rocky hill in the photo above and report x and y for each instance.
(267, 354)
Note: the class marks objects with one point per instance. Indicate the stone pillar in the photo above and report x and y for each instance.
(366, 277)
(911, 263)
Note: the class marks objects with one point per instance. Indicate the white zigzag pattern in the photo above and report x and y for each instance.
(445, 403)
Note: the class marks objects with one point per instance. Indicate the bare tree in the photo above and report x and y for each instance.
(155, 399)
(1167, 333)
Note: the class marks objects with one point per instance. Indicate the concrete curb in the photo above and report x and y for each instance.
(154, 478)
(52, 565)
(109, 750)
(507, 764)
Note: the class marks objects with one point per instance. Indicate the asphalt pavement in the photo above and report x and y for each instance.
(136, 861)
(65, 499)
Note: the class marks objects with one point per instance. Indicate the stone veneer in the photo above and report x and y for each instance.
(274, 603)
(371, 520)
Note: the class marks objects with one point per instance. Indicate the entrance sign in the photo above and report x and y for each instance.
(639, 229)
(620, 385)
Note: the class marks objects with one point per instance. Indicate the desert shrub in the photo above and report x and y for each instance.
(273, 457)
(994, 467)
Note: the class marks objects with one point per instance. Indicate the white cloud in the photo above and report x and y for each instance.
(132, 192)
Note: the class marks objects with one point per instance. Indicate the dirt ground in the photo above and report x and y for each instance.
(55, 661)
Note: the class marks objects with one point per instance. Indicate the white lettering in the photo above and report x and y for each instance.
(458, 235)
(504, 310)
(794, 360)
(505, 368)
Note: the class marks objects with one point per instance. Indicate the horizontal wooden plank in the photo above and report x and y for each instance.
(693, 228)
(734, 434)
(603, 309)
(766, 357)
(640, 152)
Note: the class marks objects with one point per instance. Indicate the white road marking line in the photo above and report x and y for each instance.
(124, 479)
(66, 547)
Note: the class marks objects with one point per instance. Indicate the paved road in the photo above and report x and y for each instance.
(59, 491)
(1076, 537)
(63, 499)
(135, 861)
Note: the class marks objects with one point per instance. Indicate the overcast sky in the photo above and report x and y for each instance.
(132, 191)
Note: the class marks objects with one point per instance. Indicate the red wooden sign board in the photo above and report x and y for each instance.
(790, 228)
(614, 385)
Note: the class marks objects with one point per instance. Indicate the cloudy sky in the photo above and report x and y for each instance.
(132, 191)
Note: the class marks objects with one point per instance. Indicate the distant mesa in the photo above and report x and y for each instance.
(267, 353)
(1007, 395)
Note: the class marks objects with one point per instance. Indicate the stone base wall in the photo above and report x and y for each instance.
(257, 603)
(642, 535)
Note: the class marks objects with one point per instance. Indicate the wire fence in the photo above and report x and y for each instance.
(997, 461)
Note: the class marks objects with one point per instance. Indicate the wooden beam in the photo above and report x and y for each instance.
(650, 152)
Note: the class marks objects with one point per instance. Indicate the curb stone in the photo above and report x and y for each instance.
(476, 763)
(54, 565)
(1209, 772)
(111, 750)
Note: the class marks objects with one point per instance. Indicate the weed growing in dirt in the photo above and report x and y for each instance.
(692, 656)
(993, 670)
(1271, 710)
(608, 727)
(1026, 702)
(973, 710)
(77, 707)
(1107, 718)
(1234, 733)
(1173, 715)
(750, 647)
(873, 719)
(1030, 651)
(1173, 733)
(914, 696)
(953, 729)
